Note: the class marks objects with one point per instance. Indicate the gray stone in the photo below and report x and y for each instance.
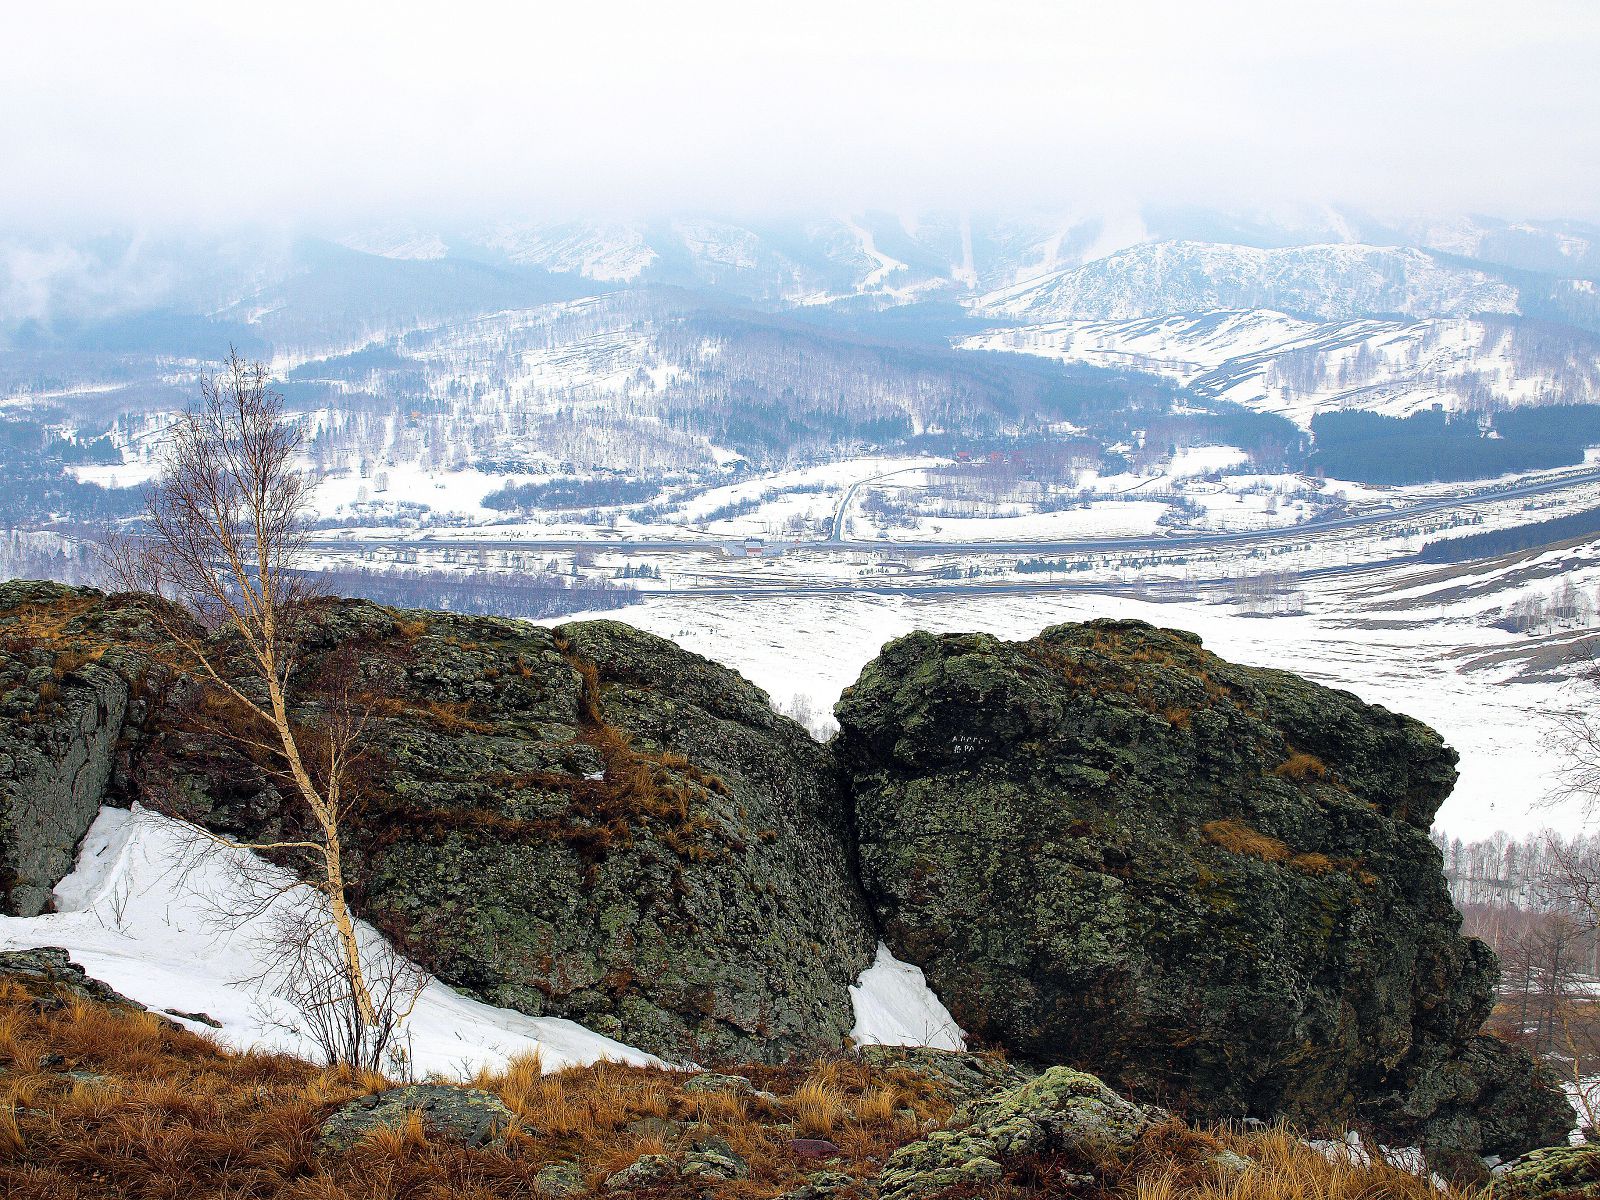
(713, 1158)
(1228, 1162)
(656, 1127)
(1062, 1112)
(52, 967)
(560, 1179)
(61, 717)
(713, 1081)
(822, 1185)
(464, 1115)
(648, 1170)
(1107, 846)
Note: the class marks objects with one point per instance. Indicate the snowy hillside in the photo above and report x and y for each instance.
(1330, 282)
(1272, 362)
(146, 911)
(143, 912)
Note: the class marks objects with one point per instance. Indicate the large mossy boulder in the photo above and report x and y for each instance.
(1210, 884)
(74, 668)
(586, 822)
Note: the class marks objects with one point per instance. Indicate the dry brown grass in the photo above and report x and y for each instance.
(1300, 767)
(818, 1108)
(174, 1117)
(1282, 1167)
(1236, 837)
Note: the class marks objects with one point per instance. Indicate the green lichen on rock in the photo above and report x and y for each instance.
(1204, 881)
(560, 1179)
(463, 1115)
(646, 1171)
(1552, 1173)
(586, 822)
(1061, 1112)
(960, 1077)
(72, 681)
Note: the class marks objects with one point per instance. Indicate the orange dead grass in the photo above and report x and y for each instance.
(1282, 1166)
(158, 1112)
(1301, 766)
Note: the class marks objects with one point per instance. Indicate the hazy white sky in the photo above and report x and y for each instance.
(162, 112)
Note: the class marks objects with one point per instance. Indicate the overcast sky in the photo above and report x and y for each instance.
(161, 113)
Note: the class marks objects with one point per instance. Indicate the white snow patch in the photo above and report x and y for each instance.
(894, 1006)
(141, 913)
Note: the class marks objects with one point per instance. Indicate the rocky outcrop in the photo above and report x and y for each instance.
(1210, 884)
(1207, 883)
(70, 677)
(466, 1116)
(586, 822)
(960, 1076)
(1062, 1113)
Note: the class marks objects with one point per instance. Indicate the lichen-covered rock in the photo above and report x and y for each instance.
(1206, 882)
(736, 1085)
(1553, 1173)
(466, 1116)
(71, 676)
(962, 1077)
(646, 1171)
(713, 1159)
(1062, 1112)
(822, 1185)
(51, 969)
(586, 822)
(560, 1179)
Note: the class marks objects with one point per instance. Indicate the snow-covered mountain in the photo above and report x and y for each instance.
(803, 259)
(1273, 362)
(1330, 282)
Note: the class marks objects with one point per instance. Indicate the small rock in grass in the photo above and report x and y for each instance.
(560, 1179)
(715, 1081)
(466, 1116)
(199, 1018)
(814, 1148)
(821, 1185)
(648, 1170)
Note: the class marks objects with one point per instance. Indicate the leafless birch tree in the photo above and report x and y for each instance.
(226, 531)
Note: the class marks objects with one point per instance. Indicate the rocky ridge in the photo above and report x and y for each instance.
(1209, 884)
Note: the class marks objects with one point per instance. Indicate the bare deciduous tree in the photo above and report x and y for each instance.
(227, 527)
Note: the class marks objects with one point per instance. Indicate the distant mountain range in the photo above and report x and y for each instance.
(685, 343)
